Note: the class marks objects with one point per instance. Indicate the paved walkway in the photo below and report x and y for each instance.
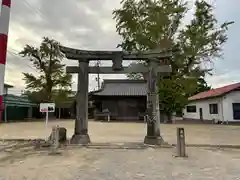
(150, 164)
(127, 132)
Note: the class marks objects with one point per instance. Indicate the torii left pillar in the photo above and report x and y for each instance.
(80, 135)
(4, 27)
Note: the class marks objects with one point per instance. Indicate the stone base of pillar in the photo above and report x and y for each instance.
(154, 140)
(80, 139)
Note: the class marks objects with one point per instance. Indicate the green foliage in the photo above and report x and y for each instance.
(34, 96)
(61, 95)
(201, 86)
(159, 24)
(135, 76)
(51, 83)
(172, 94)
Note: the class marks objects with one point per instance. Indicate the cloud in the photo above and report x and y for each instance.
(88, 24)
(79, 24)
(223, 79)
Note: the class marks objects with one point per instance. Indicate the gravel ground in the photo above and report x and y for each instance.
(128, 132)
(21, 163)
(120, 164)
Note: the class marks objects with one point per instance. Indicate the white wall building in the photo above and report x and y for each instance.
(222, 104)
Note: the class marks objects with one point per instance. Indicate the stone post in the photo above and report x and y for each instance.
(181, 146)
(81, 123)
(153, 136)
(157, 108)
(54, 140)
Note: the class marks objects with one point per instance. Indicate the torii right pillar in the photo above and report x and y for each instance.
(153, 136)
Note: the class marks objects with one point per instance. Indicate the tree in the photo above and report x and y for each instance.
(60, 96)
(135, 76)
(201, 86)
(159, 24)
(51, 83)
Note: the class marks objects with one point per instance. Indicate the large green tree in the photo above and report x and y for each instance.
(201, 86)
(51, 82)
(160, 24)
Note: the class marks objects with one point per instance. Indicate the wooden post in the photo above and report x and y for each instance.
(81, 123)
(181, 146)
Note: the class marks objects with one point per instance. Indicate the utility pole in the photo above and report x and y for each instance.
(4, 27)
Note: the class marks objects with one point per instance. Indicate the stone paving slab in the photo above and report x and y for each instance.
(103, 164)
(127, 132)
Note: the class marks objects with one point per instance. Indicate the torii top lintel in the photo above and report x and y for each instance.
(88, 55)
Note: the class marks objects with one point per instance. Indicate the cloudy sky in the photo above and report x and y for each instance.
(88, 24)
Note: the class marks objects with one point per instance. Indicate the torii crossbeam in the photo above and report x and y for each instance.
(158, 62)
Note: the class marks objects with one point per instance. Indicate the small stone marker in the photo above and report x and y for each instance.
(37, 144)
(181, 146)
(62, 135)
(55, 141)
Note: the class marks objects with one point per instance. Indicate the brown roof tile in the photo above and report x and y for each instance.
(122, 87)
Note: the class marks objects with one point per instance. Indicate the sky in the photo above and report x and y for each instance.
(88, 24)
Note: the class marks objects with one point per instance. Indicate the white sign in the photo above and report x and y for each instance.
(47, 107)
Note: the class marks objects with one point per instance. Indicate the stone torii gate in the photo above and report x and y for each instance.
(158, 62)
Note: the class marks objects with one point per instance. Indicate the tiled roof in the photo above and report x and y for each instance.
(13, 100)
(122, 87)
(215, 92)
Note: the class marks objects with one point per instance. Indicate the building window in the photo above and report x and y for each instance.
(191, 109)
(236, 111)
(213, 108)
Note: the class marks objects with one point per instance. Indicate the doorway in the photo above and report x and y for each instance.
(127, 109)
(201, 114)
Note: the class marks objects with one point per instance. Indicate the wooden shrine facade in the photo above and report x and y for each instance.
(125, 100)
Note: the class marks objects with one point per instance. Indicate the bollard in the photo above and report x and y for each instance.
(181, 146)
(56, 144)
(55, 140)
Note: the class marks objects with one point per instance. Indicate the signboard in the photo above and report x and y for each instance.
(47, 107)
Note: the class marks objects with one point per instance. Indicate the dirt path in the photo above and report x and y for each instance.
(127, 132)
(109, 164)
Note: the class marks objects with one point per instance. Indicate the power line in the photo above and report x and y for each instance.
(36, 10)
(17, 56)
